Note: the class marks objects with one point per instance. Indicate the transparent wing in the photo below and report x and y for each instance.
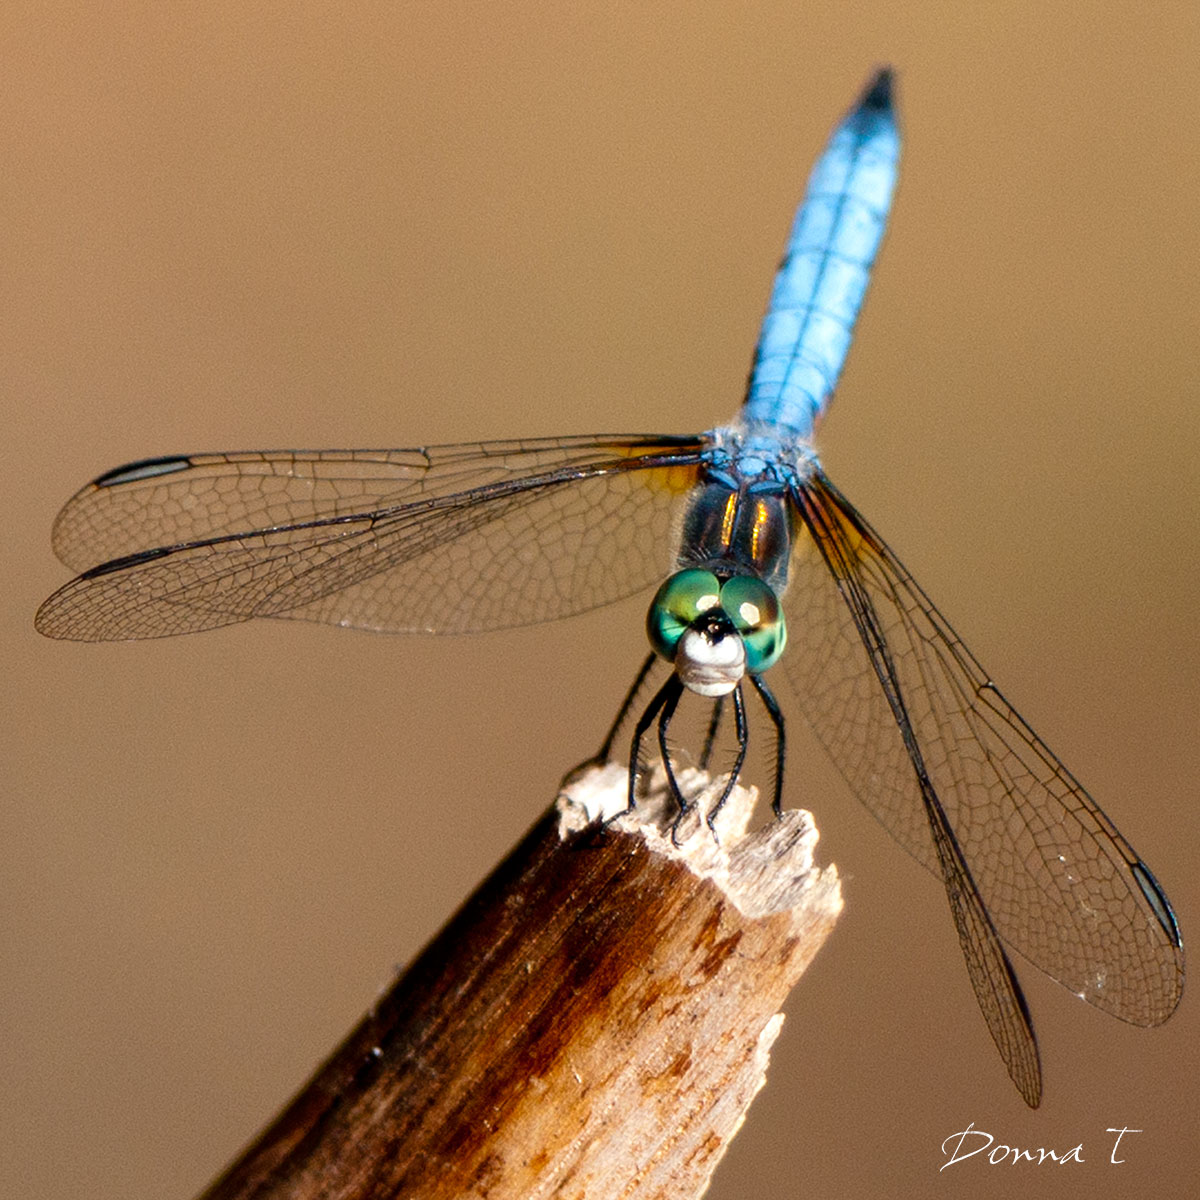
(446, 539)
(169, 501)
(1061, 884)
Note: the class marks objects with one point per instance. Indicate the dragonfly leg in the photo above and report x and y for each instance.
(713, 728)
(606, 749)
(668, 692)
(773, 711)
(664, 749)
(743, 738)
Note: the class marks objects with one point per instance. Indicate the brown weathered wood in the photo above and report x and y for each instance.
(594, 1021)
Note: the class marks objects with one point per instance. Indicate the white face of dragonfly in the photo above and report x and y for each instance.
(716, 632)
(710, 658)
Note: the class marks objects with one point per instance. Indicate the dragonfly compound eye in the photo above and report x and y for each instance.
(676, 607)
(756, 614)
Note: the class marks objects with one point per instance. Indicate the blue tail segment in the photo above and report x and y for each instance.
(823, 277)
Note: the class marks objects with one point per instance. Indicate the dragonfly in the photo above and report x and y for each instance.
(743, 522)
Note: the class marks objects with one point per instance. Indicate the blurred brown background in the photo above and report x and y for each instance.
(231, 225)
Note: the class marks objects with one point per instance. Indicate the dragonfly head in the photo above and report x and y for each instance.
(716, 630)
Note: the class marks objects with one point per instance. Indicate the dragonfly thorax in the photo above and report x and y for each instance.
(735, 525)
(716, 630)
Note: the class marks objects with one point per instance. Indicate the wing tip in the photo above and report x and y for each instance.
(144, 468)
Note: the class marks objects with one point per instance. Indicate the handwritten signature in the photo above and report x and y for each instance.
(960, 1149)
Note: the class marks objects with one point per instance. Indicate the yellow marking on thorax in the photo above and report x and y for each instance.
(727, 520)
(762, 517)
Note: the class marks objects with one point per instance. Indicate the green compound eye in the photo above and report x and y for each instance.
(756, 615)
(677, 604)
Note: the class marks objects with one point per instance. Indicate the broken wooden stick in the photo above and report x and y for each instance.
(593, 1022)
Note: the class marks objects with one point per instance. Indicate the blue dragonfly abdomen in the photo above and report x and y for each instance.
(821, 281)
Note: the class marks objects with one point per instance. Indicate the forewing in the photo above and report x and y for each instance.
(1061, 884)
(446, 539)
(171, 501)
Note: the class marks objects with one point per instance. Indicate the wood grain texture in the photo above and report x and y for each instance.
(593, 1022)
